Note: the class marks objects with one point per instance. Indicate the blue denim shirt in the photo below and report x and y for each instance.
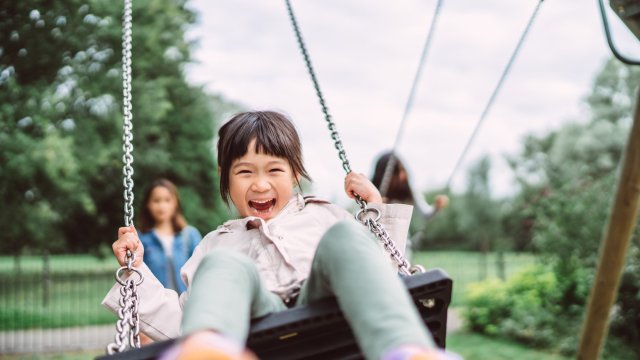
(156, 259)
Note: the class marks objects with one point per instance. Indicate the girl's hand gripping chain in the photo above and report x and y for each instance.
(360, 184)
(128, 240)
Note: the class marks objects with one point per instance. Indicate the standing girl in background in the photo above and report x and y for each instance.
(168, 240)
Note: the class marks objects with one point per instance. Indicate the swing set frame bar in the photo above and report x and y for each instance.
(621, 222)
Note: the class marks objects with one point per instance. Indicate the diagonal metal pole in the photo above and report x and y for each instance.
(620, 225)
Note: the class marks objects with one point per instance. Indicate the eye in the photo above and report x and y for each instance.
(276, 170)
(243, 172)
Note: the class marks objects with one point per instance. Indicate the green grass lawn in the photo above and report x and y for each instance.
(477, 347)
(73, 264)
(71, 302)
(465, 267)
(69, 296)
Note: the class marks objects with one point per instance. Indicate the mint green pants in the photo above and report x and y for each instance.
(227, 292)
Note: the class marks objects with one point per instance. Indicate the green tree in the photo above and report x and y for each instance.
(481, 220)
(472, 221)
(60, 120)
(568, 178)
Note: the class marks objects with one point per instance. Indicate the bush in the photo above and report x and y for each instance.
(537, 307)
(488, 305)
(523, 308)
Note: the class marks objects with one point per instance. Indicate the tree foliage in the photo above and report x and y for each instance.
(473, 220)
(60, 120)
(568, 178)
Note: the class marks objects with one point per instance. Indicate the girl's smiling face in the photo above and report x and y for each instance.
(260, 185)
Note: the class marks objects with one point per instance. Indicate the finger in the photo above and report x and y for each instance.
(126, 243)
(122, 231)
(350, 188)
(347, 186)
(132, 243)
(351, 194)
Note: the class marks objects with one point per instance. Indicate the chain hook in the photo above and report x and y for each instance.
(131, 257)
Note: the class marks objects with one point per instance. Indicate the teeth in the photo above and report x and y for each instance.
(262, 206)
(261, 202)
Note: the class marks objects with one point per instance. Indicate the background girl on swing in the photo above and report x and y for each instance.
(400, 191)
(167, 238)
(286, 250)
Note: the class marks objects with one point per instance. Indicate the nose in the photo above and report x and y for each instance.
(261, 184)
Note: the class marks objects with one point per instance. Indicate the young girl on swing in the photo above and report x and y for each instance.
(286, 250)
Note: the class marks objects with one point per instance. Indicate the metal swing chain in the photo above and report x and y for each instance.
(127, 127)
(128, 324)
(373, 224)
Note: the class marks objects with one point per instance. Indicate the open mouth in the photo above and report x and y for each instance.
(262, 206)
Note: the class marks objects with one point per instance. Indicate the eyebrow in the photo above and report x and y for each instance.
(270, 163)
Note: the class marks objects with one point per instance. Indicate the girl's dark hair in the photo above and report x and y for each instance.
(146, 219)
(398, 189)
(275, 135)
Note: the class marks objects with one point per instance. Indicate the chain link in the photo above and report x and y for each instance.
(128, 324)
(380, 232)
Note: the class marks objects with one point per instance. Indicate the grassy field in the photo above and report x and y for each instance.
(478, 347)
(59, 264)
(467, 267)
(71, 295)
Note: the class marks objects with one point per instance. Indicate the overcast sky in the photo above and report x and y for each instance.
(365, 54)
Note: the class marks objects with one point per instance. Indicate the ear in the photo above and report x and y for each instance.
(296, 179)
(219, 171)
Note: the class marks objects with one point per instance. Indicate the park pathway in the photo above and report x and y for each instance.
(97, 337)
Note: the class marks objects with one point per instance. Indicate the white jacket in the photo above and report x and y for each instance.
(282, 247)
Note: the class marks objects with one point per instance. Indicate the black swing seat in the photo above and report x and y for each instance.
(320, 331)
